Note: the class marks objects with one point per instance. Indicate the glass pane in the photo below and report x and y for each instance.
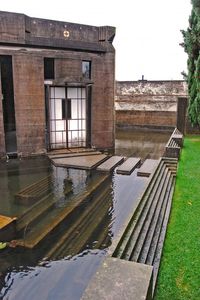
(74, 109)
(83, 114)
(52, 111)
(58, 137)
(72, 93)
(60, 125)
(72, 125)
(52, 126)
(74, 136)
(59, 92)
(58, 114)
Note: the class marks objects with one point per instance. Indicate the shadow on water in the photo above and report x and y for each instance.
(61, 264)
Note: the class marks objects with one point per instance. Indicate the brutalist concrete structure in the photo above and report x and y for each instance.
(57, 85)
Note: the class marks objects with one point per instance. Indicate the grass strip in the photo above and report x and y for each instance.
(179, 275)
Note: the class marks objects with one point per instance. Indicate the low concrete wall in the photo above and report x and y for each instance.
(148, 103)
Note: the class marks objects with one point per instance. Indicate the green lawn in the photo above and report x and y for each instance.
(179, 277)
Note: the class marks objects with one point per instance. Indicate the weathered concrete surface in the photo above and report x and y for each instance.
(148, 167)
(80, 162)
(110, 163)
(128, 166)
(73, 154)
(118, 279)
(148, 103)
(29, 40)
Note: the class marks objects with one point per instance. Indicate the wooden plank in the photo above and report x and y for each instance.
(110, 163)
(128, 166)
(148, 167)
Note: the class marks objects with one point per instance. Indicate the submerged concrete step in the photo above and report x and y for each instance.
(110, 163)
(35, 191)
(129, 165)
(54, 218)
(74, 233)
(148, 167)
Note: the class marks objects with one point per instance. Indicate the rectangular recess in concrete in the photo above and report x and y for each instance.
(148, 167)
(128, 166)
(110, 163)
(117, 279)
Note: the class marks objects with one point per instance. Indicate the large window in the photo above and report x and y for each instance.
(86, 69)
(49, 68)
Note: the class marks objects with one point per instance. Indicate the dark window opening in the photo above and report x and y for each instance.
(8, 103)
(86, 69)
(49, 68)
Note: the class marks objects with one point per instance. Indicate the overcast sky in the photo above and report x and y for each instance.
(147, 31)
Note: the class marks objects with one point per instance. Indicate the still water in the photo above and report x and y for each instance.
(62, 264)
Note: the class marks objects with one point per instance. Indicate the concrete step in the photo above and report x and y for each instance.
(140, 231)
(129, 165)
(110, 163)
(35, 191)
(123, 244)
(55, 217)
(78, 226)
(148, 167)
(160, 244)
(149, 259)
(156, 221)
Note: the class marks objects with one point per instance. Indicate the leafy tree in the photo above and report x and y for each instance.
(192, 47)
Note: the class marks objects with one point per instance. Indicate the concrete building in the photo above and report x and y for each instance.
(148, 104)
(57, 85)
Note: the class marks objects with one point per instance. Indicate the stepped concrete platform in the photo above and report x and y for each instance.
(72, 154)
(147, 167)
(178, 137)
(118, 279)
(85, 162)
(35, 191)
(55, 217)
(110, 163)
(129, 165)
(172, 148)
(7, 228)
(142, 237)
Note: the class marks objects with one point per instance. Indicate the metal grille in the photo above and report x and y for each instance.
(67, 110)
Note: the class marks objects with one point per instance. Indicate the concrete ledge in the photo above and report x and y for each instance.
(118, 279)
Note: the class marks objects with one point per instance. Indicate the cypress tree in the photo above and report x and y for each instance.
(192, 47)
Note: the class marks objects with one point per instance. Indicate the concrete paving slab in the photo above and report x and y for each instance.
(117, 279)
(110, 163)
(148, 167)
(74, 154)
(80, 162)
(128, 166)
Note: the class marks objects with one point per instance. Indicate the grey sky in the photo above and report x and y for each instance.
(147, 36)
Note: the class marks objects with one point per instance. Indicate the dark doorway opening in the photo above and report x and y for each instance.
(8, 103)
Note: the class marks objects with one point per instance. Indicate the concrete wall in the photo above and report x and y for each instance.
(148, 103)
(29, 41)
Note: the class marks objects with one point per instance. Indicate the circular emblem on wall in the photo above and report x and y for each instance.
(66, 33)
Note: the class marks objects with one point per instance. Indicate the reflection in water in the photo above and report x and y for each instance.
(62, 265)
(141, 143)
